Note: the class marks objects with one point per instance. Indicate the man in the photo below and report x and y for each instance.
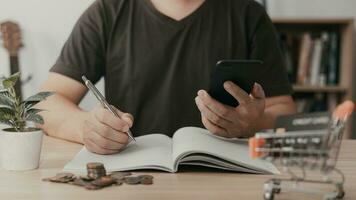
(155, 56)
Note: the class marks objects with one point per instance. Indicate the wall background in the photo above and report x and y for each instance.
(46, 25)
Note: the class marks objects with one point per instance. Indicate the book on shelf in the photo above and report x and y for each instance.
(316, 62)
(318, 102)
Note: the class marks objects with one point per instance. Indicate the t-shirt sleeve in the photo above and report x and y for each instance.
(84, 51)
(263, 44)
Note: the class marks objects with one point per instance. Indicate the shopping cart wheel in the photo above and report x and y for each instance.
(277, 191)
(268, 196)
(340, 191)
(340, 195)
(277, 186)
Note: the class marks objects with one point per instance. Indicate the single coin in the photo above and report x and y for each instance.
(80, 182)
(65, 175)
(146, 179)
(119, 182)
(61, 178)
(120, 175)
(92, 187)
(86, 178)
(132, 180)
(103, 181)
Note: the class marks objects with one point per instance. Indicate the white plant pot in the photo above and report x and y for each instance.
(20, 151)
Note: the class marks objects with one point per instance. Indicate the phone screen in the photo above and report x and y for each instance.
(243, 73)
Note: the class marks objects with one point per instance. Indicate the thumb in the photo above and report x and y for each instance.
(128, 118)
(258, 92)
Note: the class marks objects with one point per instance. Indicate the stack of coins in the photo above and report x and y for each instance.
(95, 170)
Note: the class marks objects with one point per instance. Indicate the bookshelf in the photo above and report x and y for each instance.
(330, 94)
(325, 89)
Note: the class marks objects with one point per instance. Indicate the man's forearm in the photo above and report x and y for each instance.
(273, 111)
(63, 119)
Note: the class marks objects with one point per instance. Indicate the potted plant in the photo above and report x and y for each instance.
(21, 141)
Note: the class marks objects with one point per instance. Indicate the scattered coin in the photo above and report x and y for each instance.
(120, 175)
(119, 182)
(92, 187)
(85, 178)
(97, 178)
(146, 182)
(61, 178)
(132, 180)
(103, 181)
(80, 182)
(146, 179)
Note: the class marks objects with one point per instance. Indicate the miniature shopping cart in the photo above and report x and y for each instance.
(302, 152)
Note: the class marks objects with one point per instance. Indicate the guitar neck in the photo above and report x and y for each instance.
(14, 64)
(14, 68)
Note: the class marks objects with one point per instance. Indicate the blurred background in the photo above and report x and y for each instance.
(325, 26)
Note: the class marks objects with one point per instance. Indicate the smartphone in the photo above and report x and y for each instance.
(244, 73)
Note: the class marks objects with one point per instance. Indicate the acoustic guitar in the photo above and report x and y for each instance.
(11, 35)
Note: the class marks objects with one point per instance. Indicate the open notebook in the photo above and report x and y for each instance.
(189, 146)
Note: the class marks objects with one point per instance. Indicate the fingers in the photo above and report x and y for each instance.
(104, 142)
(207, 113)
(125, 116)
(239, 94)
(106, 117)
(93, 147)
(216, 107)
(230, 122)
(258, 92)
(106, 132)
(214, 129)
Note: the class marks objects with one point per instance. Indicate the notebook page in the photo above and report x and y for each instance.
(196, 140)
(150, 152)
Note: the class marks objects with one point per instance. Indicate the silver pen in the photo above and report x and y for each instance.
(103, 101)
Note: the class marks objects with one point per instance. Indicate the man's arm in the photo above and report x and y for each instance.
(276, 106)
(63, 117)
(255, 112)
(99, 130)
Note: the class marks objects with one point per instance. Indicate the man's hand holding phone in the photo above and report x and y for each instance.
(233, 122)
(104, 133)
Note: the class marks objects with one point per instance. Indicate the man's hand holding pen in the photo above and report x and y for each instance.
(104, 133)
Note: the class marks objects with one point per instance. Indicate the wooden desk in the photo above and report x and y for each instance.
(187, 185)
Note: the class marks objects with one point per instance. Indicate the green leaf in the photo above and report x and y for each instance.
(4, 92)
(6, 100)
(33, 111)
(38, 119)
(39, 97)
(6, 115)
(10, 81)
(6, 122)
(35, 99)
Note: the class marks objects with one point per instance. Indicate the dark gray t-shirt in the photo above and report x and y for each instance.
(153, 65)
